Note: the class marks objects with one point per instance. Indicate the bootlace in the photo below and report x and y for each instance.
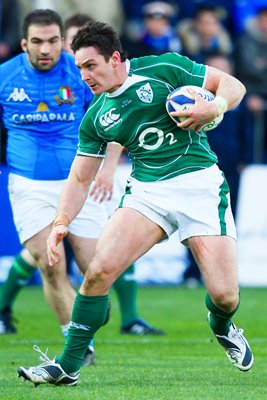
(44, 358)
(237, 332)
(234, 353)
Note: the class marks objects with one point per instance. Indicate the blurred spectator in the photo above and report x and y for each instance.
(251, 61)
(134, 16)
(203, 34)
(224, 10)
(244, 11)
(183, 9)
(158, 35)
(10, 17)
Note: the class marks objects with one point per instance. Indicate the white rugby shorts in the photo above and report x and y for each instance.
(34, 204)
(195, 204)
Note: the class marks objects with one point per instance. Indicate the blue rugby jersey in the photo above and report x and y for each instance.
(42, 112)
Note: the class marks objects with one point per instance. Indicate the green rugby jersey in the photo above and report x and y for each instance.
(135, 116)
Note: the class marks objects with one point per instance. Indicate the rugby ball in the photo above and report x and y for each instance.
(180, 99)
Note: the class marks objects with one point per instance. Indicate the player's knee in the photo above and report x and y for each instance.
(100, 274)
(51, 275)
(226, 300)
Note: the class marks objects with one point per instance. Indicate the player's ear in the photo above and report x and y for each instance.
(23, 44)
(115, 58)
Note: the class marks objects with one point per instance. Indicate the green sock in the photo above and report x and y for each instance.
(220, 321)
(18, 277)
(88, 315)
(126, 290)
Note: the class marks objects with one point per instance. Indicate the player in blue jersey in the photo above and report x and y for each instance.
(175, 185)
(42, 108)
(42, 103)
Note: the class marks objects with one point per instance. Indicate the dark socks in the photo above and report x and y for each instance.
(89, 313)
(18, 277)
(219, 321)
(126, 290)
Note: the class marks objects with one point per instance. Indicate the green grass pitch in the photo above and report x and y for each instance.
(185, 364)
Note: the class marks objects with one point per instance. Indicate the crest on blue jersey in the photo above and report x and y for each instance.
(145, 93)
(64, 96)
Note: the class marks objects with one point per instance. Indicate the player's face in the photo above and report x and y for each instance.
(99, 74)
(43, 46)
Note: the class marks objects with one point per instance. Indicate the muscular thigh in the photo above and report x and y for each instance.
(127, 236)
(83, 249)
(216, 257)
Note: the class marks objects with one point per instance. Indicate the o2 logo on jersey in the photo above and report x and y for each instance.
(158, 138)
(109, 118)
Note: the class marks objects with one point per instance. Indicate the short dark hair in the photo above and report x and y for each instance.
(78, 20)
(101, 36)
(41, 17)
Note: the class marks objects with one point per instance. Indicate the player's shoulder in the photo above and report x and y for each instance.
(11, 70)
(151, 61)
(96, 104)
(14, 63)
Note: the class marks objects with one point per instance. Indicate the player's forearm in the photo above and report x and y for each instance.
(72, 199)
(232, 90)
(75, 190)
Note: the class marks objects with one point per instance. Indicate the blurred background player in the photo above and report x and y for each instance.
(25, 264)
(42, 106)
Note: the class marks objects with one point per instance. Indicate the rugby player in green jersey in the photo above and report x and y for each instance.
(175, 185)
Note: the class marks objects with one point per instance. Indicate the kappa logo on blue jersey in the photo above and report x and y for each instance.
(19, 95)
(145, 93)
(65, 95)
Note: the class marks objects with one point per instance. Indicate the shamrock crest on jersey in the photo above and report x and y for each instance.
(145, 93)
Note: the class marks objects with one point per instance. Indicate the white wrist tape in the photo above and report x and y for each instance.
(221, 104)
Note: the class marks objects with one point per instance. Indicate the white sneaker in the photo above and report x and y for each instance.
(48, 372)
(236, 348)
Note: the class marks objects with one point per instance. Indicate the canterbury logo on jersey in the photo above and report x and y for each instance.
(109, 118)
(19, 95)
(80, 326)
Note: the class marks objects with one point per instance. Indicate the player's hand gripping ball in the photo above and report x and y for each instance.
(180, 100)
